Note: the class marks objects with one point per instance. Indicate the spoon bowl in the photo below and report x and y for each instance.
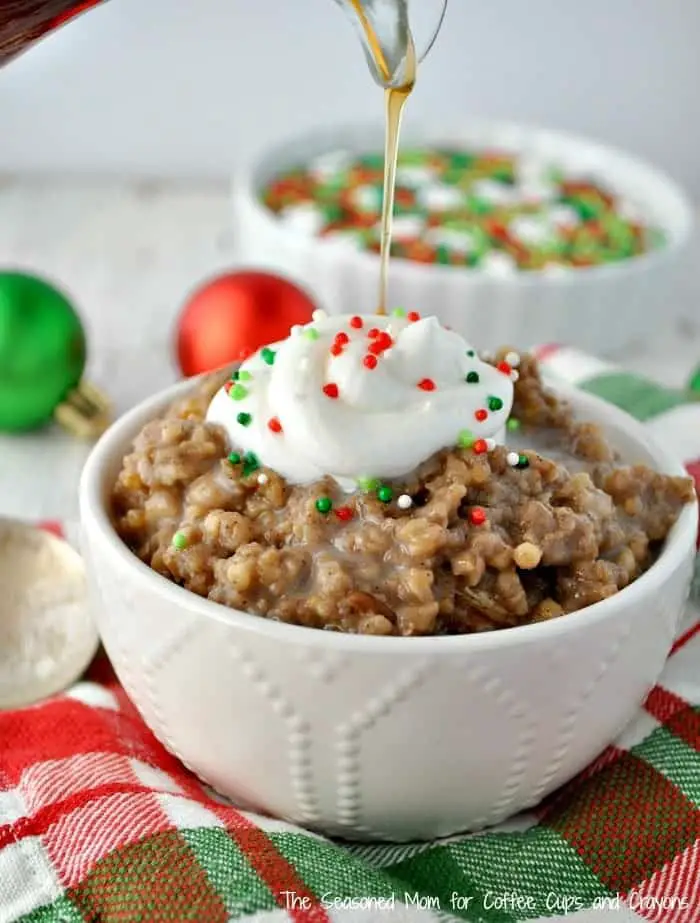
(386, 27)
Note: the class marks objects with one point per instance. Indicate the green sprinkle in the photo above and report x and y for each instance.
(385, 494)
(513, 424)
(235, 375)
(244, 376)
(465, 439)
(234, 458)
(324, 505)
(268, 356)
(251, 463)
(180, 541)
(442, 255)
(523, 461)
(238, 392)
(311, 333)
(244, 419)
(398, 312)
(472, 378)
(471, 353)
(367, 484)
(495, 403)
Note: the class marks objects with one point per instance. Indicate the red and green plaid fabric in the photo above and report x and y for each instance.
(99, 823)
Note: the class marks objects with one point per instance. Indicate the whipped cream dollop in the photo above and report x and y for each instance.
(358, 397)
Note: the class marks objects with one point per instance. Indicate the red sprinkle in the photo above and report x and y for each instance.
(337, 349)
(477, 516)
(426, 384)
(331, 391)
(413, 316)
(481, 415)
(344, 513)
(228, 386)
(274, 424)
(342, 338)
(480, 447)
(370, 361)
(373, 333)
(381, 343)
(504, 367)
(356, 322)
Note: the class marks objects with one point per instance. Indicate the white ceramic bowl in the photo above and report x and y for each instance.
(372, 737)
(599, 309)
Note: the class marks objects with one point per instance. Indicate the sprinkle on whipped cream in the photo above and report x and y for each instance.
(360, 398)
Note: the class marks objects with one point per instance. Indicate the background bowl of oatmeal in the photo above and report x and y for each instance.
(497, 214)
(368, 737)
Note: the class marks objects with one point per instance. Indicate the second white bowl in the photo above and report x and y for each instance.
(598, 309)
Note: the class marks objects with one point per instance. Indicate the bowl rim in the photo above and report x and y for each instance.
(96, 526)
(248, 179)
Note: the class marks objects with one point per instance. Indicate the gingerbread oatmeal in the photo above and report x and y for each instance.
(477, 536)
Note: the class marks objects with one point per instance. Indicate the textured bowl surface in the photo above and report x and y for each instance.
(601, 309)
(379, 738)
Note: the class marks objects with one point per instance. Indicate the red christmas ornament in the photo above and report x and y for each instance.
(233, 315)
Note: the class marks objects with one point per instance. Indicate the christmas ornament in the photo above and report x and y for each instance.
(694, 383)
(42, 359)
(232, 315)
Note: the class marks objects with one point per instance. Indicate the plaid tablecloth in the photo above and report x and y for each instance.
(99, 823)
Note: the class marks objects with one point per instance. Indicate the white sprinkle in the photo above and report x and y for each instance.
(460, 241)
(498, 264)
(296, 330)
(367, 198)
(262, 479)
(406, 227)
(537, 191)
(530, 230)
(319, 314)
(495, 192)
(439, 197)
(404, 502)
(490, 444)
(514, 375)
(564, 216)
(414, 176)
(513, 458)
(513, 359)
(303, 218)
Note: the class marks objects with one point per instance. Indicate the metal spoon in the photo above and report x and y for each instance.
(384, 27)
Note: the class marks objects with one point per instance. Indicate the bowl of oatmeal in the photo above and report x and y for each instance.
(381, 585)
(562, 236)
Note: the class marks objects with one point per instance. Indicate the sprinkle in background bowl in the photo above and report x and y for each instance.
(487, 210)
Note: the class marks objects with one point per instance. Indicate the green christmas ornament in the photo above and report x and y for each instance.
(694, 383)
(42, 359)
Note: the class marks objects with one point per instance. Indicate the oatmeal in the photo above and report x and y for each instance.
(477, 536)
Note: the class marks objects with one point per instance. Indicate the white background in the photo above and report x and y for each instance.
(189, 87)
